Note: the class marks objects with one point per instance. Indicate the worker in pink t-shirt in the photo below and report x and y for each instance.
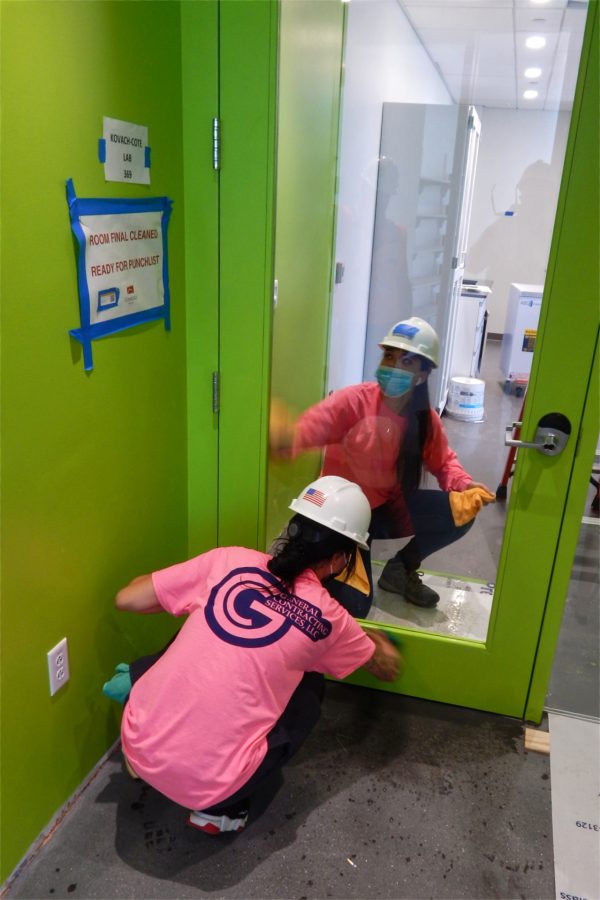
(381, 436)
(237, 691)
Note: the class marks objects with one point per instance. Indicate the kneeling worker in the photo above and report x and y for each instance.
(237, 691)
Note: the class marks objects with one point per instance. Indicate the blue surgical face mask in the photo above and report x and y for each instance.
(394, 382)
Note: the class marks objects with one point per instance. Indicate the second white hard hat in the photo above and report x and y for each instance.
(338, 504)
(416, 336)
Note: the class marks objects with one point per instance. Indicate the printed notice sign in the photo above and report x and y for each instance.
(125, 152)
(122, 269)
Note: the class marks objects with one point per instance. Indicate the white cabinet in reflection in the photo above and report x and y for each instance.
(424, 188)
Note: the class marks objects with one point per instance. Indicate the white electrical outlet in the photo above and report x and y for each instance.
(58, 666)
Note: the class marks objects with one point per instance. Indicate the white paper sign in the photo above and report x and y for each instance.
(124, 264)
(126, 152)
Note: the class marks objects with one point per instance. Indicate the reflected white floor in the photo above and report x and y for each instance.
(463, 610)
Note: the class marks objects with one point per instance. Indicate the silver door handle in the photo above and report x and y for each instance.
(550, 438)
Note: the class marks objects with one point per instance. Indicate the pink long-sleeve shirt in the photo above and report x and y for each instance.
(362, 439)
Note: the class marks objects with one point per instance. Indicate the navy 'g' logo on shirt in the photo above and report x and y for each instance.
(248, 608)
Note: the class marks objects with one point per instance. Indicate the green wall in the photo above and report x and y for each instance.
(310, 66)
(93, 465)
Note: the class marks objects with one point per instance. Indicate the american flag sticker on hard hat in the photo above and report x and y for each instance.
(314, 496)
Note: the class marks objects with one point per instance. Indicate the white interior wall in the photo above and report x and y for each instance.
(519, 168)
(384, 62)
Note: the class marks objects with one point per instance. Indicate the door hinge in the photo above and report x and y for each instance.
(470, 122)
(216, 138)
(454, 262)
(216, 398)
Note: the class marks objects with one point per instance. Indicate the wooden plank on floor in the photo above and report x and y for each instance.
(538, 741)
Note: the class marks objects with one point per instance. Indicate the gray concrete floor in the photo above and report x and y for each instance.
(390, 797)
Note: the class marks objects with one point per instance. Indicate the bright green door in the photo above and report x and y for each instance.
(495, 673)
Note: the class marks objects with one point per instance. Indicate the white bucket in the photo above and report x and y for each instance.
(465, 399)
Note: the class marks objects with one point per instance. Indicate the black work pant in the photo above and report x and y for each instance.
(283, 741)
(432, 528)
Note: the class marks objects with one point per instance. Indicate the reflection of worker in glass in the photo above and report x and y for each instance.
(518, 242)
(390, 289)
(234, 695)
(382, 436)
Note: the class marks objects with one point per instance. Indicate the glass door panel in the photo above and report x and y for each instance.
(425, 186)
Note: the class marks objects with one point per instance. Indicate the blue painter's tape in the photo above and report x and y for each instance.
(109, 298)
(147, 157)
(102, 150)
(509, 212)
(405, 330)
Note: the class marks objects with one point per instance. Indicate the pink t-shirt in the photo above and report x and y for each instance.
(196, 723)
(363, 438)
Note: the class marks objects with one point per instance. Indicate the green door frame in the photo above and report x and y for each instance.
(565, 551)
(200, 104)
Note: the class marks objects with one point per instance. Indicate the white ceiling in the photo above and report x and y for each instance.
(478, 46)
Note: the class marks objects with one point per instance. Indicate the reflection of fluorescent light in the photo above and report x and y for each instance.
(533, 72)
(535, 42)
(530, 95)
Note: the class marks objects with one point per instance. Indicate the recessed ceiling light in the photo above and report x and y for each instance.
(535, 42)
(533, 72)
(530, 95)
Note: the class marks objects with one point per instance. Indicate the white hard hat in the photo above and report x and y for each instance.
(416, 336)
(338, 504)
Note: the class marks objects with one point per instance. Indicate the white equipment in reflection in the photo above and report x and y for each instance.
(465, 399)
(469, 333)
(520, 332)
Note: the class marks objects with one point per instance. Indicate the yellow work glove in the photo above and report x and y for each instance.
(466, 504)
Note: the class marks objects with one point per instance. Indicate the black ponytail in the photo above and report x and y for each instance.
(304, 544)
(418, 414)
